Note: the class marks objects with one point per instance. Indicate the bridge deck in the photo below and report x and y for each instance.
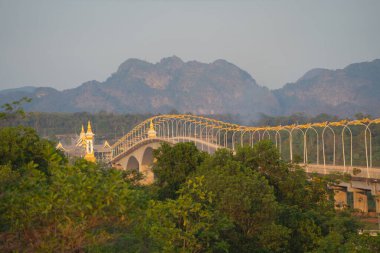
(355, 171)
(362, 172)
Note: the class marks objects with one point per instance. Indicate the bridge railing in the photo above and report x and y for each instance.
(345, 143)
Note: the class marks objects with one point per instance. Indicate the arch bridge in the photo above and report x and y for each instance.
(323, 147)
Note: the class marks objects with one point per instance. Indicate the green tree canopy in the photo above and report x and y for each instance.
(246, 197)
(173, 165)
(20, 146)
(70, 210)
(189, 223)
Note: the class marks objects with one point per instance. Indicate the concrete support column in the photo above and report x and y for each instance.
(340, 197)
(148, 175)
(377, 201)
(360, 201)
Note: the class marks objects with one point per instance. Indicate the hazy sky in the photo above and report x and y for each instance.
(65, 43)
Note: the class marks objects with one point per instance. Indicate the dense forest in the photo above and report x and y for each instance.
(251, 201)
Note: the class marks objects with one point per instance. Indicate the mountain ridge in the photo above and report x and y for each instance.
(345, 92)
(218, 87)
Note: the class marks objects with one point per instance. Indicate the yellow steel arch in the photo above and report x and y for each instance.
(186, 127)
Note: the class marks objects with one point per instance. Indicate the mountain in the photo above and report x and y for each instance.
(27, 89)
(343, 92)
(216, 88)
(141, 87)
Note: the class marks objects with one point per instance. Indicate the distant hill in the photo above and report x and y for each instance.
(343, 92)
(216, 88)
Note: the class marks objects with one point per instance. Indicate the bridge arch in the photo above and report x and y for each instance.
(327, 127)
(147, 158)
(311, 145)
(316, 141)
(146, 165)
(133, 164)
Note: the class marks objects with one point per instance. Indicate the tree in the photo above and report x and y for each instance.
(361, 244)
(187, 224)
(20, 146)
(247, 199)
(301, 204)
(172, 166)
(14, 108)
(71, 209)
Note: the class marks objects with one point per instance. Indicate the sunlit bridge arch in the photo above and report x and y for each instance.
(329, 141)
(133, 164)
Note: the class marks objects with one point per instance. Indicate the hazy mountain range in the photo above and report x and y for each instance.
(219, 87)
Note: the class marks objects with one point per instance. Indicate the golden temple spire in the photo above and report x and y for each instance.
(151, 126)
(82, 138)
(151, 132)
(89, 129)
(89, 144)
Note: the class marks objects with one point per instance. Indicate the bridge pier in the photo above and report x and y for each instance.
(340, 197)
(360, 200)
(148, 175)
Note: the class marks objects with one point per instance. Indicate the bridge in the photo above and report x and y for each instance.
(324, 147)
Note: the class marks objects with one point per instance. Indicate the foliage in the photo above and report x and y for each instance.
(48, 205)
(268, 198)
(189, 223)
(73, 208)
(173, 165)
(362, 244)
(251, 201)
(20, 146)
(14, 108)
(248, 200)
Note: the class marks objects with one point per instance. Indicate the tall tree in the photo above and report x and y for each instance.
(20, 146)
(248, 200)
(172, 166)
(189, 223)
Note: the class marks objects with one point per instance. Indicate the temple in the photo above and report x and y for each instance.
(84, 147)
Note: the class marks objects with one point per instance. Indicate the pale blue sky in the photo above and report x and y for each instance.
(65, 43)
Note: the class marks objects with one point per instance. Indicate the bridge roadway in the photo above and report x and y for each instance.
(324, 139)
(364, 182)
(358, 172)
(361, 172)
(201, 145)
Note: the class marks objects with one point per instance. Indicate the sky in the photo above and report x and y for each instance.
(62, 44)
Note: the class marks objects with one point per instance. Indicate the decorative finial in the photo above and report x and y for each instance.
(82, 132)
(60, 146)
(89, 130)
(151, 127)
(151, 132)
(106, 144)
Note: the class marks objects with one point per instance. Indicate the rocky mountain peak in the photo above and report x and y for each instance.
(222, 62)
(133, 63)
(343, 92)
(172, 63)
(212, 88)
(312, 74)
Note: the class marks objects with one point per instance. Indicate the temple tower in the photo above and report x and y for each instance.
(89, 137)
(151, 132)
